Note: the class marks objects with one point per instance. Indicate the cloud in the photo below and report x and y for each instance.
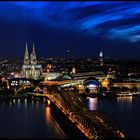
(135, 38)
(129, 33)
(107, 19)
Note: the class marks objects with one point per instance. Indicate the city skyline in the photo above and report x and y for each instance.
(83, 27)
(69, 69)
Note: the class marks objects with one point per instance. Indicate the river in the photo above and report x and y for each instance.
(126, 110)
(21, 118)
(28, 119)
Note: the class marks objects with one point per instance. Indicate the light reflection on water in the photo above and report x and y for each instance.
(14, 101)
(25, 103)
(124, 100)
(124, 103)
(10, 104)
(21, 118)
(32, 102)
(93, 103)
(47, 115)
(19, 103)
(51, 122)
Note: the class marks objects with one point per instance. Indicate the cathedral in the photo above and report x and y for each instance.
(30, 68)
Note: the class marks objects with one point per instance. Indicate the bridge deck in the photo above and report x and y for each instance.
(37, 94)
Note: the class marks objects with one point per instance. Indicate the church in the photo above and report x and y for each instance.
(31, 69)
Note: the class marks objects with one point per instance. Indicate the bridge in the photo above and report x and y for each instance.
(93, 124)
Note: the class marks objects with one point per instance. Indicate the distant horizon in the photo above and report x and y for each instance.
(82, 57)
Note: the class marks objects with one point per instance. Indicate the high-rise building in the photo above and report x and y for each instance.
(101, 58)
(69, 56)
(30, 68)
(69, 60)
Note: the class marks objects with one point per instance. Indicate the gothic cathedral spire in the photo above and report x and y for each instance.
(26, 56)
(33, 56)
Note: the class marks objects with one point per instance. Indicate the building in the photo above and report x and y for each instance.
(30, 68)
(91, 86)
(73, 70)
(69, 56)
(127, 84)
(101, 58)
(69, 61)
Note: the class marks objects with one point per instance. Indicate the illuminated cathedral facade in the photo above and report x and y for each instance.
(30, 68)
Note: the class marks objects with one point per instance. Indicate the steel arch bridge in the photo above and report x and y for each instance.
(96, 124)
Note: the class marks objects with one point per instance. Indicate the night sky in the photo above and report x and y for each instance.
(84, 27)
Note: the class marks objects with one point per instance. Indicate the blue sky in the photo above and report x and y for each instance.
(84, 27)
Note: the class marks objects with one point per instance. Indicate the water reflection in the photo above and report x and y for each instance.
(124, 103)
(32, 102)
(10, 104)
(93, 103)
(19, 103)
(25, 103)
(14, 101)
(37, 105)
(123, 100)
(54, 126)
(34, 122)
(47, 115)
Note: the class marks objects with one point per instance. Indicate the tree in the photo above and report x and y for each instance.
(103, 89)
(124, 89)
(134, 89)
(115, 89)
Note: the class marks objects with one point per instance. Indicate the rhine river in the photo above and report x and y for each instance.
(126, 110)
(28, 119)
(33, 119)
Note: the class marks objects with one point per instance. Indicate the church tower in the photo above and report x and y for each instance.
(33, 56)
(26, 56)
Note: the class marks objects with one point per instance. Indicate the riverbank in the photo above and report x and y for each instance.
(117, 94)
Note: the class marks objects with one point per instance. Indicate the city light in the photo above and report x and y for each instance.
(48, 102)
(69, 70)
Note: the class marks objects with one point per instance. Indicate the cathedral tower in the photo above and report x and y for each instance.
(33, 56)
(26, 56)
